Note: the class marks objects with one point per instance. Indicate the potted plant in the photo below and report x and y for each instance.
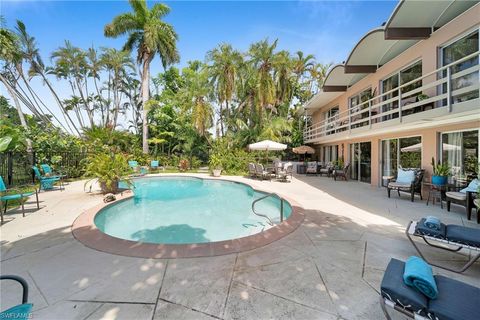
(109, 169)
(215, 164)
(440, 172)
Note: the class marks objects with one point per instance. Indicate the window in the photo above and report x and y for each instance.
(401, 153)
(330, 154)
(331, 116)
(354, 106)
(454, 52)
(460, 150)
(406, 75)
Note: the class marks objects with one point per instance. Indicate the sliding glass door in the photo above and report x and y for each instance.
(360, 160)
(461, 151)
(401, 153)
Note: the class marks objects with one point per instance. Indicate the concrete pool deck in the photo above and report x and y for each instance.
(329, 268)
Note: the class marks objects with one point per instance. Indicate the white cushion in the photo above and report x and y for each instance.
(457, 195)
(405, 176)
(399, 185)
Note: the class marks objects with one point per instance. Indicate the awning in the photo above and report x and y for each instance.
(373, 51)
(413, 19)
(267, 145)
(338, 81)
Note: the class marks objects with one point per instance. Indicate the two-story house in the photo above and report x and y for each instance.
(408, 91)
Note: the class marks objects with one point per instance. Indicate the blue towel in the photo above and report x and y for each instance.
(432, 222)
(418, 274)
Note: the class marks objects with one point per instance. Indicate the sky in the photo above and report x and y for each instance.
(326, 29)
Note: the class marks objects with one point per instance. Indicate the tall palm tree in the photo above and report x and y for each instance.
(318, 74)
(150, 35)
(224, 72)
(261, 57)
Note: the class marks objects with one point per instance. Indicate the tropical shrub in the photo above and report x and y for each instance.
(231, 160)
(108, 169)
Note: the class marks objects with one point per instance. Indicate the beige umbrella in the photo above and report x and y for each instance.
(303, 150)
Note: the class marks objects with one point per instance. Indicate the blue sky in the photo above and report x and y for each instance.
(327, 29)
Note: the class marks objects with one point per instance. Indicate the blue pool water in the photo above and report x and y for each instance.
(178, 210)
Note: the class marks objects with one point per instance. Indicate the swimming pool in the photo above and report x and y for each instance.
(185, 210)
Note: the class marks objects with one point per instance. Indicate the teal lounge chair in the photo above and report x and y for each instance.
(133, 164)
(21, 311)
(46, 183)
(13, 196)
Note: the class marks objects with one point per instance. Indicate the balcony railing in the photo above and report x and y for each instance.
(442, 88)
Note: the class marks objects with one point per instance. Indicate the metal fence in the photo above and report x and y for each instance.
(16, 167)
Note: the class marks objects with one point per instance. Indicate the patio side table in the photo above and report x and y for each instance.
(436, 191)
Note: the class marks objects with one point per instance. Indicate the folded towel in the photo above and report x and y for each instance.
(432, 223)
(422, 229)
(418, 274)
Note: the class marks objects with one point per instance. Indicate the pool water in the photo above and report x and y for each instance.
(180, 210)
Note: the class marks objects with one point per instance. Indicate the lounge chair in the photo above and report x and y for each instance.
(16, 195)
(341, 173)
(287, 170)
(408, 180)
(261, 173)
(454, 235)
(463, 197)
(21, 311)
(251, 170)
(456, 300)
(133, 165)
(46, 183)
(311, 168)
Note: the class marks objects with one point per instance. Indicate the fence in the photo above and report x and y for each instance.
(16, 167)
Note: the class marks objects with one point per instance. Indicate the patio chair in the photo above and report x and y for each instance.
(463, 197)
(311, 168)
(46, 183)
(456, 300)
(261, 173)
(21, 311)
(133, 165)
(327, 169)
(285, 172)
(154, 165)
(48, 172)
(251, 170)
(456, 236)
(16, 195)
(341, 173)
(408, 180)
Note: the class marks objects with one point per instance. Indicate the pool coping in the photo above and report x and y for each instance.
(85, 231)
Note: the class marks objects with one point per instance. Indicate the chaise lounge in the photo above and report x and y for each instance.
(455, 301)
(459, 237)
(21, 311)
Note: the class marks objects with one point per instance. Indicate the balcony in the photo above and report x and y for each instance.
(450, 90)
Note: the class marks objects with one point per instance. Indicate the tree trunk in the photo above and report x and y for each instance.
(145, 97)
(19, 110)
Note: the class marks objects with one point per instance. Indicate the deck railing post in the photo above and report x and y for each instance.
(370, 114)
(400, 104)
(449, 89)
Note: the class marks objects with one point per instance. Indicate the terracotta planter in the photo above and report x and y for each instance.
(112, 189)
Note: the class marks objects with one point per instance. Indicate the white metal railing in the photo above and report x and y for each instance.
(396, 104)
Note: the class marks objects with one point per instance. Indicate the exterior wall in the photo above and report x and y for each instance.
(430, 143)
(426, 50)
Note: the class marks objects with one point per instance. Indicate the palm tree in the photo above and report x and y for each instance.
(318, 74)
(10, 52)
(150, 35)
(284, 77)
(261, 57)
(224, 72)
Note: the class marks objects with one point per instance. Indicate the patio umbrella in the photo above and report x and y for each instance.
(418, 147)
(267, 145)
(303, 150)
